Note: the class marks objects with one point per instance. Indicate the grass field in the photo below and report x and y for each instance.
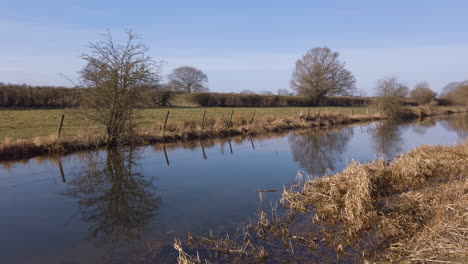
(31, 123)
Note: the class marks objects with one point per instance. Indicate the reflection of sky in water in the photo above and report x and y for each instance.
(197, 192)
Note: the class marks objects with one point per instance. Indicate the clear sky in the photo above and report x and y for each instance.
(241, 44)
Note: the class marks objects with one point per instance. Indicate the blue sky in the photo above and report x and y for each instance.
(241, 44)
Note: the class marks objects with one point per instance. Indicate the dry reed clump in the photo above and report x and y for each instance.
(416, 207)
(190, 124)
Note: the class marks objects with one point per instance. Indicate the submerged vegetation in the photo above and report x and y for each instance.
(414, 209)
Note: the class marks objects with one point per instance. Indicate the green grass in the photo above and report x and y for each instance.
(32, 123)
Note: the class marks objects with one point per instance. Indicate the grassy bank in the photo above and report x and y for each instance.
(32, 123)
(184, 124)
(189, 129)
(411, 210)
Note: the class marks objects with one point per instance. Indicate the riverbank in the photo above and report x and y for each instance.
(93, 139)
(29, 123)
(190, 129)
(411, 210)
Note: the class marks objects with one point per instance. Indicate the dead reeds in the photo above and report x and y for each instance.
(414, 209)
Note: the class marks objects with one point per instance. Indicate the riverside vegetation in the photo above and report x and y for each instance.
(185, 128)
(411, 210)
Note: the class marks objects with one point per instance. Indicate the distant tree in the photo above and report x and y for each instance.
(390, 94)
(284, 92)
(117, 77)
(456, 93)
(459, 96)
(247, 92)
(319, 73)
(188, 79)
(266, 92)
(422, 93)
(361, 93)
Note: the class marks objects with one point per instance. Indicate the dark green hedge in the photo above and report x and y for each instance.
(60, 97)
(255, 100)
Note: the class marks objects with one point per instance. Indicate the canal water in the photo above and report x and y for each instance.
(128, 205)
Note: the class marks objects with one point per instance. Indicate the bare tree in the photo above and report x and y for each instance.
(117, 77)
(456, 93)
(390, 95)
(188, 79)
(284, 92)
(422, 93)
(247, 92)
(265, 92)
(320, 73)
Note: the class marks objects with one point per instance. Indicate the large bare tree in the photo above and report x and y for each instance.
(319, 73)
(117, 77)
(188, 79)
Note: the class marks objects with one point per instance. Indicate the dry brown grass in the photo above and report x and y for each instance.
(415, 207)
(412, 210)
(189, 130)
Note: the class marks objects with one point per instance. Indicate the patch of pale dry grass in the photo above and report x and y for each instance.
(416, 207)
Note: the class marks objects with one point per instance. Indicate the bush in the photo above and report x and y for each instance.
(161, 97)
(422, 95)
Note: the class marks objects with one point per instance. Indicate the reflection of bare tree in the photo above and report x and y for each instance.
(422, 125)
(113, 197)
(387, 139)
(317, 151)
(458, 124)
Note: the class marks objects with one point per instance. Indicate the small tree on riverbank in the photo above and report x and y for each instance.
(319, 73)
(390, 94)
(117, 77)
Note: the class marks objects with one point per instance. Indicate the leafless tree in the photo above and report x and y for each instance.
(117, 77)
(188, 79)
(422, 93)
(247, 92)
(284, 92)
(390, 94)
(319, 73)
(265, 92)
(456, 93)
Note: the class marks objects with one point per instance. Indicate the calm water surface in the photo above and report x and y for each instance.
(128, 205)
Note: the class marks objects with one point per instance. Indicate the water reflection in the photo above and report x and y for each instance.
(114, 197)
(458, 125)
(317, 151)
(422, 125)
(386, 138)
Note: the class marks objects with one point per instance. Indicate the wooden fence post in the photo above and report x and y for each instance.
(203, 120)
(165, 121)
(367, 111)
(230, 118)
(352, 110)
(308, 113)
(59, 130)
(253, 115)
